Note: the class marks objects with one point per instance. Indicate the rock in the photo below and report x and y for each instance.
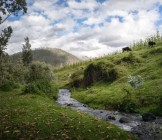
(124, 120)
(69, 104)
(148, 117)
(111, 118)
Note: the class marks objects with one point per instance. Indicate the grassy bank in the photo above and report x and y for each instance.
(106, 93)
(38, 117)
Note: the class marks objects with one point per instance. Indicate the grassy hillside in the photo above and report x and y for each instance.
(37, 117)
(55, 57)
(103, 82)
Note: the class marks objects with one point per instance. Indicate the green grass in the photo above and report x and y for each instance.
(143, 61)
(38, 117)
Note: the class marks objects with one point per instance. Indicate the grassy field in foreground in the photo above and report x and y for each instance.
(142, 60)
(37, 117)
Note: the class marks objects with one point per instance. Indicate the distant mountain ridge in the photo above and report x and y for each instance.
(53, 56)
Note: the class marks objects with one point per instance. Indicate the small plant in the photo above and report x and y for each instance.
(136, 82)
(128, 105)
(7, 85)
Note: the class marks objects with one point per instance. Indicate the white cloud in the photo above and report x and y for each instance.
(85, 28)
(84, 4)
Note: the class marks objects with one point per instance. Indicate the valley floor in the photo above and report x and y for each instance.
(38, 117)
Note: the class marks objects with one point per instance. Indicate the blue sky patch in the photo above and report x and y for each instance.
(101, 1)
(109, 19)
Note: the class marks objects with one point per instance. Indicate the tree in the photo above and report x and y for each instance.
(39, 71)
(7, 8)
(27, 52)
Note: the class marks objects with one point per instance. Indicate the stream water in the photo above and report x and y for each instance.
(132, 122)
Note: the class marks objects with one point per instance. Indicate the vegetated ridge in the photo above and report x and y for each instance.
(53, 56)
(103, 83)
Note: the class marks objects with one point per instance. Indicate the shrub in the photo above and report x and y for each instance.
(32, 88)
(156, 51)
(160, 62)
(39, 71)
(39, 79)
(18, 72)
(77, 83)
(77, 75)
(129, 59)
(128, 105)
(136, 82)
(42, 88)
(160, 101)
(100, 71)
(77, 78)
(8, 85)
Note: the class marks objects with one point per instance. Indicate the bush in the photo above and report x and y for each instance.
(129, 59)
(160, 101)
(100, 71)
(156, 51)
(8, 85)
(39, 71)
(128, 105)
(76, 79)
(39, 79)
(160, 62)
(42, 88)
(18, 72)
(77, 83)
(77, 75)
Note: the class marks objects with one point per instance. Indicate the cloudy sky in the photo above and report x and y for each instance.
(85, 27)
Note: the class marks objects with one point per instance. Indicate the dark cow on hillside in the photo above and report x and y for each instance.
(126, 49)
(151, 44)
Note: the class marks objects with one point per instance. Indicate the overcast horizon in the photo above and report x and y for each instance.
(89, 28)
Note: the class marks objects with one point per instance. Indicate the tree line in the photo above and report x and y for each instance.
(35, 77)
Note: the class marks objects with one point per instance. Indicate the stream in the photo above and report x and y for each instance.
(128, 122)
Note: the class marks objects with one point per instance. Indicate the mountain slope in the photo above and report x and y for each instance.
(53, 56)
(107, 78)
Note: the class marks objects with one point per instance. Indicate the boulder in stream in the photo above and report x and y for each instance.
(148, 117)
(69, 104)
(111, 118)
(124, 120)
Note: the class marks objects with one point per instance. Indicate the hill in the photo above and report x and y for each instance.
(55, 57)
(103, 83)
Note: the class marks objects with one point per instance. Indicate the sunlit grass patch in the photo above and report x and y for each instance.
(38, 117)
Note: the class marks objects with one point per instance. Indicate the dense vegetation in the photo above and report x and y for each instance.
(53, 56)
(103, 83)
